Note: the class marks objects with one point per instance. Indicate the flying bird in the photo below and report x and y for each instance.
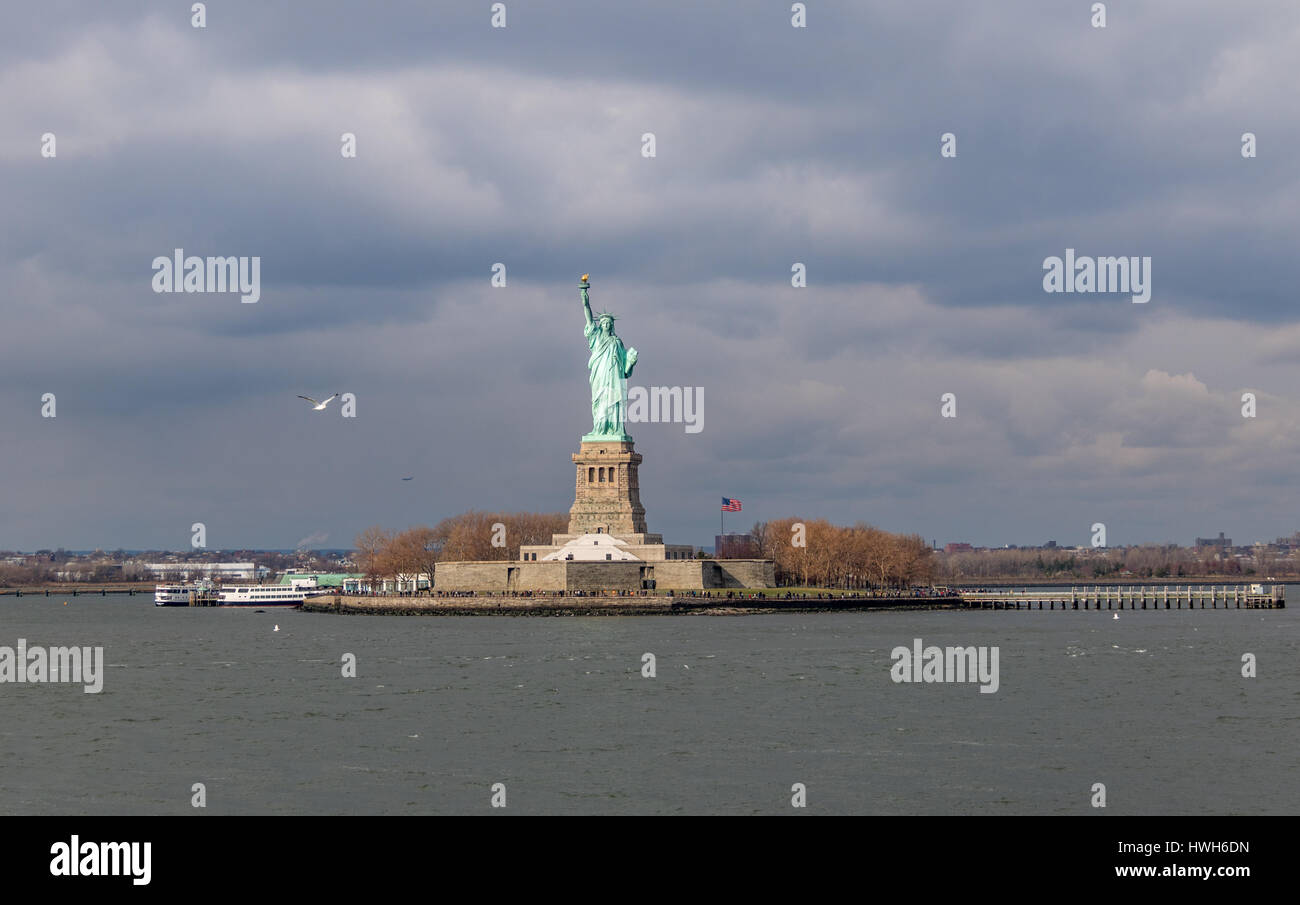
(319, 406)
(411, 478)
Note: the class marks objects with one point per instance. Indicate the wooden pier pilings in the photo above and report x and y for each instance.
(1249, 597)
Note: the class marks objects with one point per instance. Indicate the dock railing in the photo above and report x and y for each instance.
(1110, 597)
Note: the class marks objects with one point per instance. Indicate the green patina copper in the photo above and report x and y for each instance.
(609, 367)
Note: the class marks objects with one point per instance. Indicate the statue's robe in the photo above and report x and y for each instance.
(608, 372)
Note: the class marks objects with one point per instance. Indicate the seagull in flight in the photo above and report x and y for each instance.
(319, 406)
(411, 478)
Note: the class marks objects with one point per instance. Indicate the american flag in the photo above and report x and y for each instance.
(729, 505)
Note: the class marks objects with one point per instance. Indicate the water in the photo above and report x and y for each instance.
(1152, 705)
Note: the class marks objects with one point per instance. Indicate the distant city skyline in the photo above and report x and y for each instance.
(945, 546)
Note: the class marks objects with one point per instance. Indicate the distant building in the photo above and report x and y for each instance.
(296, 578)
(736, 546)
(402, 584)
(1050, 545)
(957, 548)
(1220, 541)
(184, 571)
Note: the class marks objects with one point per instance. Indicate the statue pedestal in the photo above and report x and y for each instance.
(607, 494)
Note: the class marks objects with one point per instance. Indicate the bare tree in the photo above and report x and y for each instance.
(373, 556)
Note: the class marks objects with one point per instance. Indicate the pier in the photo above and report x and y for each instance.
(205, 597)
(1177, 597)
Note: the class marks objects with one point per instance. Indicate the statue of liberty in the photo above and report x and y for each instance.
(609, 368)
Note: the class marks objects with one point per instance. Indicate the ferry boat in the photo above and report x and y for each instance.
(263, 595)
(204, 593)
(173, 594)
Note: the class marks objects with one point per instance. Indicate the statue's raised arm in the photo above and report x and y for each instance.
(586, 300)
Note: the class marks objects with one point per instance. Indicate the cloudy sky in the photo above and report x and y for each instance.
(774, 145)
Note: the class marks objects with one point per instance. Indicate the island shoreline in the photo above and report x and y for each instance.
(608, 606)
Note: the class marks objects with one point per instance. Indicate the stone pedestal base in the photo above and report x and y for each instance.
(607, 494)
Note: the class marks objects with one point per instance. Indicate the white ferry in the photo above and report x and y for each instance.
(263, 595)
(206, 594)
(173, 594)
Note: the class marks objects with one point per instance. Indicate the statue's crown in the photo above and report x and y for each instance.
(607, 314)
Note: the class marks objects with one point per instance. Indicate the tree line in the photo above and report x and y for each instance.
(816, 553)
(813, 553)
(472, 536)
(1143, 561)
(806, 552)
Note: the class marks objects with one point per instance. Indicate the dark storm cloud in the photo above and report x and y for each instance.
(775, 145)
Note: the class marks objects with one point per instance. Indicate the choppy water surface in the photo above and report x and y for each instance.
(1153, 705)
